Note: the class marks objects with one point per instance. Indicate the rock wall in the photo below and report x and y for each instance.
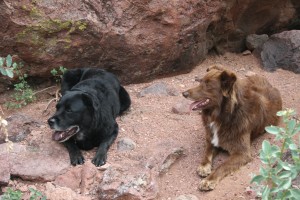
(138, 40)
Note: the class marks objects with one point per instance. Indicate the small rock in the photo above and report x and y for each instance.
(254, 41)
(158, 89)
(23, 188)
(71, 179)
(171, 159)
(4, 166)
(187, 197)
(182, 107)
(247, 52)
(250, 73)
(59, 193)
(129, 183)
(249, 191)
(88, 173)
(126, 144)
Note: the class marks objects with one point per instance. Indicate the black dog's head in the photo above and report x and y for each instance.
(74, 114)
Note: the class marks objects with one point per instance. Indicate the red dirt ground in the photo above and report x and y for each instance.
(151, 120)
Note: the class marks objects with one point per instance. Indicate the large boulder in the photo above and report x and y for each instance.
(282, 50)
(138, 40)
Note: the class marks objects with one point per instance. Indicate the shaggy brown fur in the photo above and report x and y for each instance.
(233, 112)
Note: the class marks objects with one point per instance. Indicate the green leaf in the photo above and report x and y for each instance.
(281, 113)
(284, 165)
(286, 184)
(53, 72)
(295, 193)
(265, 193)
(272, 129)
(3, 71)
(15, 65)
(285, 174)
(291, 125)
(266, 147)
(10, 73)
(263, 172)
(257, 179)
(1, 62)
(8, 61)
(293, 147)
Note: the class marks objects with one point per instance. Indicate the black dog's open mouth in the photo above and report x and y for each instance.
(62, 136)
(197, 105)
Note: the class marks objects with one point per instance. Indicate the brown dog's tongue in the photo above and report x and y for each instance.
(194, 105)
(197, 105)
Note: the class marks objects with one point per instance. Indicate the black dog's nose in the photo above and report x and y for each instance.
(185, 94)
(51, 122)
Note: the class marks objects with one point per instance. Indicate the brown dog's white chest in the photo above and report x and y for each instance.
(214, 128)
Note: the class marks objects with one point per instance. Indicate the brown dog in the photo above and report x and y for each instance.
(234, 111)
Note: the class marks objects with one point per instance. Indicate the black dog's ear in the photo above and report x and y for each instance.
(87, 99)
(227, 80)
(70, 78)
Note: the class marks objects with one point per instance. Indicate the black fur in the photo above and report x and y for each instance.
(91, 101)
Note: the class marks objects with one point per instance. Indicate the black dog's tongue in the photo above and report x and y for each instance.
(62, 135)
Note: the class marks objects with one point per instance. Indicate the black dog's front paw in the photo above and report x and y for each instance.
(99, 160)
(77, 159)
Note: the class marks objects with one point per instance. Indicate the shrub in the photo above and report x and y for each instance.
(277, 173)
(23, 92)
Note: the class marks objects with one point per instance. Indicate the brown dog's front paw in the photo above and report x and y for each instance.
(206, 185)
(204, 170)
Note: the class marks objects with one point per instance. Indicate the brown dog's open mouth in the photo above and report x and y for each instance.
(62, 136)
(198, 105)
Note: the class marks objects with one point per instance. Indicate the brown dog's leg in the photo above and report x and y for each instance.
(234, 162)
(204, 168)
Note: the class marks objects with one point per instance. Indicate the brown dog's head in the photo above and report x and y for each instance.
(216, 85)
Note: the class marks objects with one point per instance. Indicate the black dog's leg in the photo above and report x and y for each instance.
(101, 155)
(74, 153)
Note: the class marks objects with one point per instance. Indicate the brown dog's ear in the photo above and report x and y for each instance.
(227, 81)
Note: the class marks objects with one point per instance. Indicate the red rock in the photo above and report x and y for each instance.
(138, 40)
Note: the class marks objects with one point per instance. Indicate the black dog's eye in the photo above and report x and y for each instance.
(68, 110)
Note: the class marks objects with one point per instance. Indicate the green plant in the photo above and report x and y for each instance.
(11, 194)
(35, 194)
(23, 92)
(58, 73)
(277, 173)
(7, 66)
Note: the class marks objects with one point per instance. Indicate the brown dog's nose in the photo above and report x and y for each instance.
(185, 94)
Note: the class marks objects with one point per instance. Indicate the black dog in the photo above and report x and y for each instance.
(85, 115)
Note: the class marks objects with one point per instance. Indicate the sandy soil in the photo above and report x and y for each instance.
(151, 120)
